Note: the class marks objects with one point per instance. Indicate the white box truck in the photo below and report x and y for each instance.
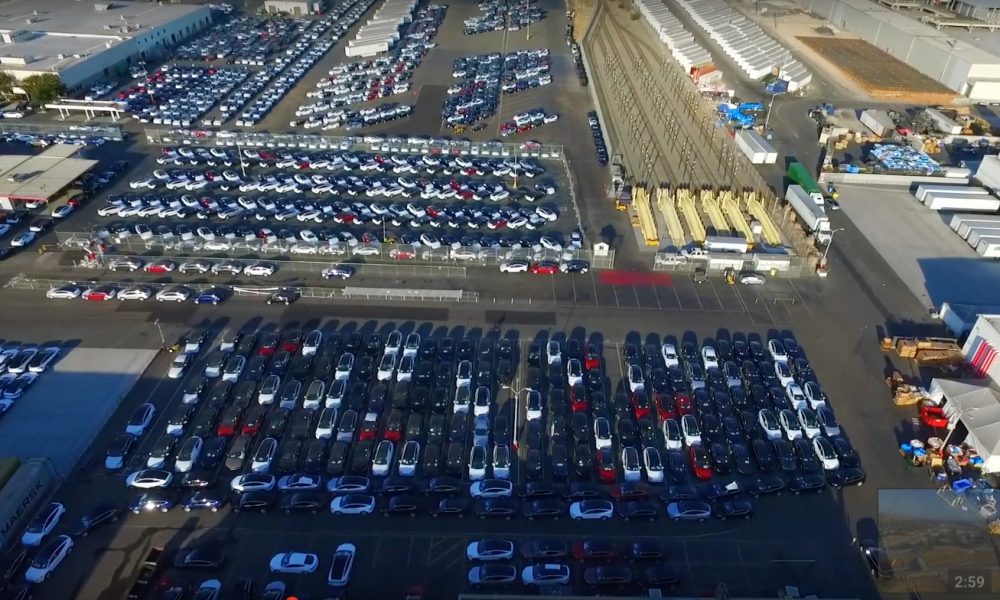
(812, 215)
(719, 243)
(979, 233)
(958, 219)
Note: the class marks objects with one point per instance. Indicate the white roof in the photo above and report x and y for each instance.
(978, 408)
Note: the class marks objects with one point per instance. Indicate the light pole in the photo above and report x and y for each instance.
(163, 340)
(516, 391)
(767, 117)
(822, 262)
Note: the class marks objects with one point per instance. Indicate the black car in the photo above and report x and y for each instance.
(644, 550)
(765, 484)
(544, 549)
(764, 454)
(288, 459)
(201, 556)
(660, 576)
(846, 454)
(583, 461)
(305, 501)
(253, 501)
(608, 575)
(455, 461)
(213, 452)
(786, 456)
(639, 509)
(395, 485)
(733, 509)
(199, 479)
(496, 508)
(722, 461)
(443, 486)
(402, 505)
(544, 508)
(284, 295)
(741, 456)
(846, 476)
(361, 457)
(808, 461)
(559, 456)
(677, 493)
(450, 506)
(430, 466)
(677, 465)
(806, 482)
(105, 513)
(337, 459)
(630, 490)
(315, 456)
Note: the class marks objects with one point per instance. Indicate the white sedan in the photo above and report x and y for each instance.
(709, 357)
(514, 266)
(66, 292)
(260, 270)
(490, 549)
(173, 294)
(179, 365)
(669, 353)
(343, 562)
(825, 453)
(590, 510)
(294, 562)
(491, 488)
(48, 558)
(545, 574)
(353, 504)
(136, 292)
(23, 239)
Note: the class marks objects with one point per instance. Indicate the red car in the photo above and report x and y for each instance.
(368, 430)
(683, 404)
(230, 422)
(933, 416)
(595, 550)
(578, 399)
(606, 469)
(291, 341)
(665, 408)
(161, 266)
(700, 463)
(432, 212)
(544, 268)
(253, 423)
(399, 254)
(592, 357)
(640, 404)
(101, 293)
(269, 343)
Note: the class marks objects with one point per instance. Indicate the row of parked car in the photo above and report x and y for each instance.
(141, 292)
(484, 76)
(526, 121)
(598, 135)
(83, 138)
(180, 95)
(243, 40)
(498, 15)
(20, 368)
(370, 80)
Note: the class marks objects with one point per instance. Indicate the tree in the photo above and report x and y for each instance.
(7, 83)
(43, 88)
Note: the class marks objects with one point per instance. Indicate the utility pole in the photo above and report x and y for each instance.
(822, 262)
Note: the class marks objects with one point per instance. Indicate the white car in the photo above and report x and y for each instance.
(591, 510)
(490, 549)
(408, 459)
(340, 570)
(260, 270)
(147, 479)
(784, 373)
(672, 434)
(477, 463)
(43, 524)
(545, 574)
(299, 482)
(602, 433)
(790, 424)
(533, 403)
(769, 423)
(808, 422)
(353, 504)
(382, 459)
(777, 350)
(173, 294)
(491, 488)
(636, 381)
(482, 401)
(312, 343)
(463, 375)
(669, 354)
(253, 482)
(691, 430)
(653, 465)
(124, 264)
(136, 292)
(141, 419)
(66, 292)
(752, 279)
(630, 464)
(814, 395)
(386, 367)
(514, 266)
(828, 421)
(825, 453)
(263, 455)
(574, 372)
(709, 357)
(294, 562)
(234, 367)
(188, 454)
(48, 559)
(179, 365)
(501, 461)
(344, 367)
(23, 239)
(795, 396)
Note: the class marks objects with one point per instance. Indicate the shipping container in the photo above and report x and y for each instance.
(941, 201)
(25, 490)
(8, 466)
(943, 123)
(958, 218)
(812, 215)
(988, 172)
(878, 121)
(967, 226)
(798, 173)
(756, 147)
(367, 50)
(989, 247)
(925, 188)
(977, 234)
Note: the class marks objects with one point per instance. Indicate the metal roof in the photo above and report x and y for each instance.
(41, 176)
(981, 3)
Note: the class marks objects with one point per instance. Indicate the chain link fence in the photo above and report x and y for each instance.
(769, 264)
(360, 254)
(410, 145)
(22, 281)
(111, 132)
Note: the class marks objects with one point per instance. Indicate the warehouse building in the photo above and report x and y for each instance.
(89, 42)
(968, 64)
(40, 177)
(294, 7)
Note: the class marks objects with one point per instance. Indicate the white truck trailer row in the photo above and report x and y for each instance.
(962, 224)
(812, 215)
(953, 190)
(756, 147)
(963, 202)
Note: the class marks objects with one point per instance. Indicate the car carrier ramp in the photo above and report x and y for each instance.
(667, 205)
(768, 230)
(685, 201)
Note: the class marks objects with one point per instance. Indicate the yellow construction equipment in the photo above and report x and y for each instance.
(731, 206)
(643, 209)
(665, 202)
(769, 230)
(730, 276)
(686, 203)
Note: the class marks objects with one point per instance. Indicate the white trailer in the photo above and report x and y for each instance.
(963, 202)
(878, 121)
(968, 226)
(979, 233)
(812, 215)
(958, 219)
(953, 190)
(756, 147)
(988, 172)
(367, 49)
(719, 243)
(989, 247)
(942, 123)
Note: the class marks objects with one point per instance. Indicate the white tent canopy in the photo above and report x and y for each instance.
(978, 408)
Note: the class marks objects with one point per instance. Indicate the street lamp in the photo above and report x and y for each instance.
(822, 262)
(517, 408)
(767, 117)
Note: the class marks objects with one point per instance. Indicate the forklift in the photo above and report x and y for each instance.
(730, 275)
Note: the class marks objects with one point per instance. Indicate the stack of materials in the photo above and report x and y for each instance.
(926, 351)
(904, 159)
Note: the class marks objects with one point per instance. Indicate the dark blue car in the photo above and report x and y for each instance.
(210, 296)
(202, 500)
(150, 501)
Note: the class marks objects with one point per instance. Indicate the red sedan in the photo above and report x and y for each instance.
(606, 470)
(700, 463)
(544, 268)
(291, 341)
(161, 266)
(640, 404)
(252, 425)
(665, 408)
(269, 344)
(592, 357)
(933, 416)
(683, 404)
(578, 399)
(99, 294)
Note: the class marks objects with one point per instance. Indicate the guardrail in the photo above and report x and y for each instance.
(411, 145)
(22, 281)
(111, 132)
(362, 254)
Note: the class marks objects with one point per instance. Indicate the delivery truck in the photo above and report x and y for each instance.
(755, 147)
(800, 175)
(812, 215)
(963, 202)
(718, 243)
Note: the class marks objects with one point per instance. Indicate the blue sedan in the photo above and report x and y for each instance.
(151, 501)
(211, 296)
(202, 500)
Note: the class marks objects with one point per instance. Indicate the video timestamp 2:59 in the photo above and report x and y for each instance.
(971, 581)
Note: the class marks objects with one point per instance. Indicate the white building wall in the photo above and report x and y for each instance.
(982, 347)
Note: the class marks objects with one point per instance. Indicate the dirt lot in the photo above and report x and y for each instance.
(878, 73)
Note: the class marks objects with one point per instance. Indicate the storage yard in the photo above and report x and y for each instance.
(879, 74)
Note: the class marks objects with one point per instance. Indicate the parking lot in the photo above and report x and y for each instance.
(693, 551)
